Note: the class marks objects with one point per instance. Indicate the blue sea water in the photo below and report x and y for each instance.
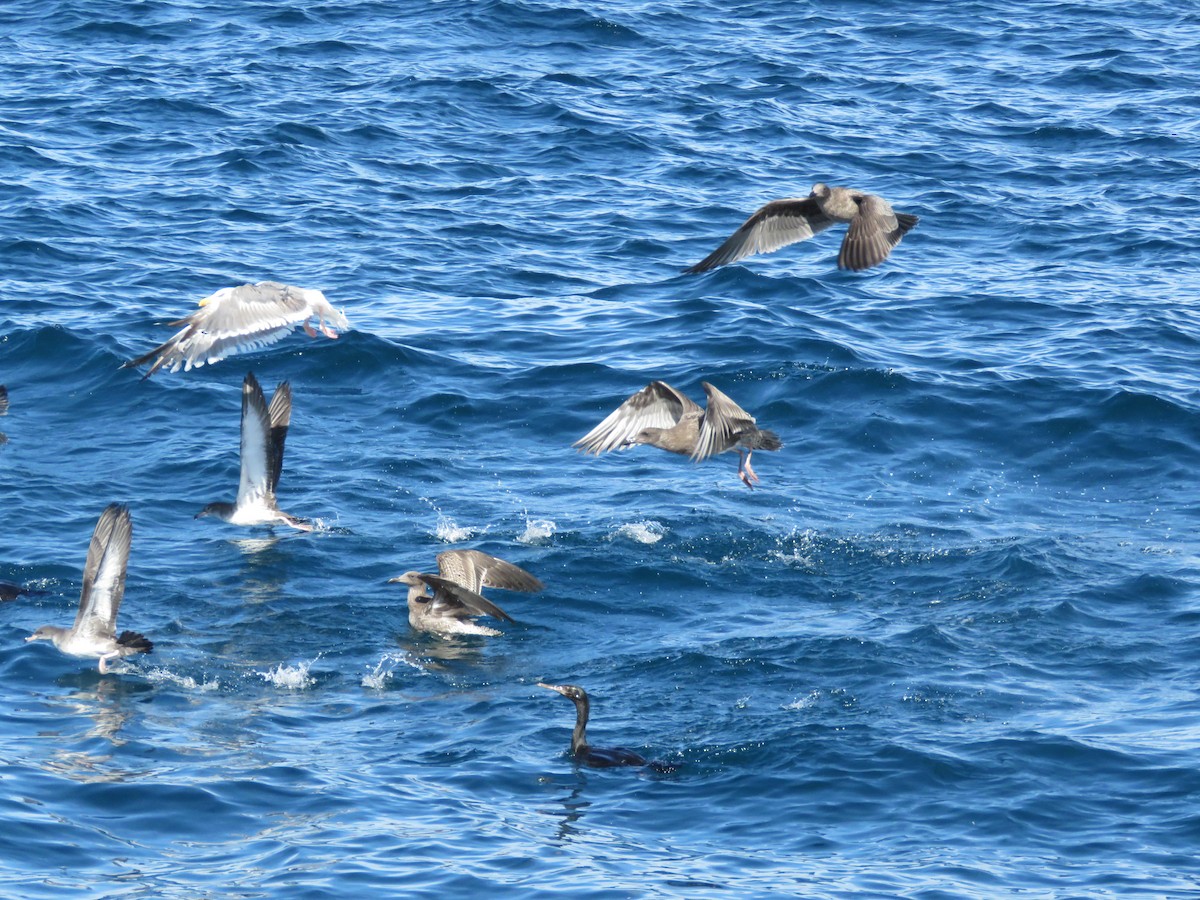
(947, 649)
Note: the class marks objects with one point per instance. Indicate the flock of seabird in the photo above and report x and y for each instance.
(239, 319)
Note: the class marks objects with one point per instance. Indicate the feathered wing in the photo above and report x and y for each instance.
(657, 405)
(280, 416)
(453, 599)
(255, 482)
(476, 570)
(779, 223)
(104, 572)
(236, 320)
(723, 425)
(872, 233)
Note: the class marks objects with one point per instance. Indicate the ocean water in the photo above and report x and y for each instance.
(948, 648)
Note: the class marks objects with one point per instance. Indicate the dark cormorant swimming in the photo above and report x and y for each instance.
(597, 757)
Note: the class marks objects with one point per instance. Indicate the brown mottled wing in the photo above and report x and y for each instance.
(723, 425)
(872, 233)
(657, 405)
(104, 572)
(452, 599)
(779, 223)
(476, 570)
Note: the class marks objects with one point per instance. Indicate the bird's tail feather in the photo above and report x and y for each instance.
(139, 643)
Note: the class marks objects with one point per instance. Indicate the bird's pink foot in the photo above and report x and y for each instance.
(746, 471)
(750, 471)
(309, 330)
(743, 465)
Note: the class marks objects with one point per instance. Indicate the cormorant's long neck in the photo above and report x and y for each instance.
(579, 742)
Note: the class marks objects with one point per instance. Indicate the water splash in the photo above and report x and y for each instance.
(450, 532)
(537, 530)
(647, 532)
(159, 675)
(292, 678)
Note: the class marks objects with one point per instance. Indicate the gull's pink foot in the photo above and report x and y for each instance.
(750, 471)
(746, 471)
(309, 330)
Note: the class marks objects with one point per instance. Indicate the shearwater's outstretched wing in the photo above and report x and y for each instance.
(256, 457)
(280, 416)
(657, 405)
(104, 573)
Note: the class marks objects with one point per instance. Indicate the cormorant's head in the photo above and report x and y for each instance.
(572, 692)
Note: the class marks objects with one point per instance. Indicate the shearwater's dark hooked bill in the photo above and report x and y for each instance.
(94, 634)
(875, 228)
(264, 430)
(663, 417)
(240, 319)
(456, 597)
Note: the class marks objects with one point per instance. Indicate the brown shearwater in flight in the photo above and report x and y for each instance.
(263, 433)
(874, 228)
(663, 417)
(597, 757)
(456, 591)
(94, 634)
(238, 319)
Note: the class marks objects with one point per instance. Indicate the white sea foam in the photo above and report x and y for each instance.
(293, 678)
(385, 669)
(537, 530)
(806, 702)
(160, 675)
(377, 679)
(450, 532)
(647, 532)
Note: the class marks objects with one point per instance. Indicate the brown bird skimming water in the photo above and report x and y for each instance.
(456, 597)
(663, 417)
(875, 228)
